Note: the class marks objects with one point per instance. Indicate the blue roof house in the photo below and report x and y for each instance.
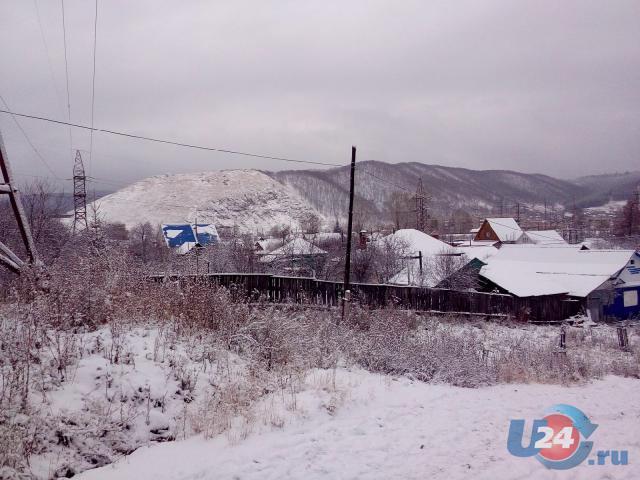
(183, 237)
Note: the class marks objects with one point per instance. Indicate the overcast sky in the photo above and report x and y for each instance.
(536, 86)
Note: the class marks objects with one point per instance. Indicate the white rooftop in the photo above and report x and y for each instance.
(544, 237)
(480, 250)
(299, 247)
(533, 270)
(410, 241)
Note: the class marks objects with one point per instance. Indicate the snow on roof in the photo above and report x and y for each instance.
(269, 244)
(479, 250)
(299, 246)
(411, 241)
(182, 237)
(532, 270)
(169, 233)
(544, 237)
(323, 236)
(507, 229)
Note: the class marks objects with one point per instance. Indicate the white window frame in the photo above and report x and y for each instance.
(630, 298)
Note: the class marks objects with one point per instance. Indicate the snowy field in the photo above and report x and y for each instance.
(284, 395)
(388, 428)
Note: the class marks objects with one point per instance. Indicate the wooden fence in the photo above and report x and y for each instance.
(279, 289)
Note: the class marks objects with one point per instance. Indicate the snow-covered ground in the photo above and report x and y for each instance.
(371, 426)
(166, 402)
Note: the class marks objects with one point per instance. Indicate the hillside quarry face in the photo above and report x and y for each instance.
(248, 200)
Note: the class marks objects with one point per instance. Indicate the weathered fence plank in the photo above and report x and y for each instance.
(279, 289)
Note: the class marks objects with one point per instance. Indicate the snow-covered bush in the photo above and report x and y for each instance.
(97, 360)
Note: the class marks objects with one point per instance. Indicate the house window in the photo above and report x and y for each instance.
(630, 298)
(633, 262)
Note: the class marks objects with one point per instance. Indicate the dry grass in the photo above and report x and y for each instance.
(41, 344)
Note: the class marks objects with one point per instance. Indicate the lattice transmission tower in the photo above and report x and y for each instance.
(79, 195)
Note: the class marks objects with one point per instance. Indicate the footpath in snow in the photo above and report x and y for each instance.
(374, 427)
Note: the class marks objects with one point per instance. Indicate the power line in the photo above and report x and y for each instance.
(37, 152)
(66, 71)
(48, 53)
(170, 142)
(93, 84)
(385, 181)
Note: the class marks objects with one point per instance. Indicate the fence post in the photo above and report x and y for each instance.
(623, 337)
(563, 339)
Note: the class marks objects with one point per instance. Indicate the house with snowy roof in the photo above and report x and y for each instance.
(623, 300)
(182, 238)
(542, 237)
(298, 253)
(503, 230)
(604, 282)
(418, 252)
(266, 245)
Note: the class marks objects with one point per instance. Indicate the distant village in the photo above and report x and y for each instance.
(590, 274)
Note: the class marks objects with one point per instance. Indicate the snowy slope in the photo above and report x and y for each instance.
(247, 199)
(396, 428)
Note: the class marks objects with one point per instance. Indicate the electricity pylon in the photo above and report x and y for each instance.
(79, 195)
(7, 187)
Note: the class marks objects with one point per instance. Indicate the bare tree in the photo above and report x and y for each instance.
(43, 207)
(627, 221)
(311, 223)
(141, 241)
(399, 208)
(444, 265)
(280, 231)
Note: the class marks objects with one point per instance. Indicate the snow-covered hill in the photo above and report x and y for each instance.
(246, 199)
(451, 188)
(448, 187)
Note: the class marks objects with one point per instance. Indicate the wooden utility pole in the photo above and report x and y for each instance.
(347, 264)
(7, 257)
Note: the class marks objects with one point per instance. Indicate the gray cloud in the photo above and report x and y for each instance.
(536, 86)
